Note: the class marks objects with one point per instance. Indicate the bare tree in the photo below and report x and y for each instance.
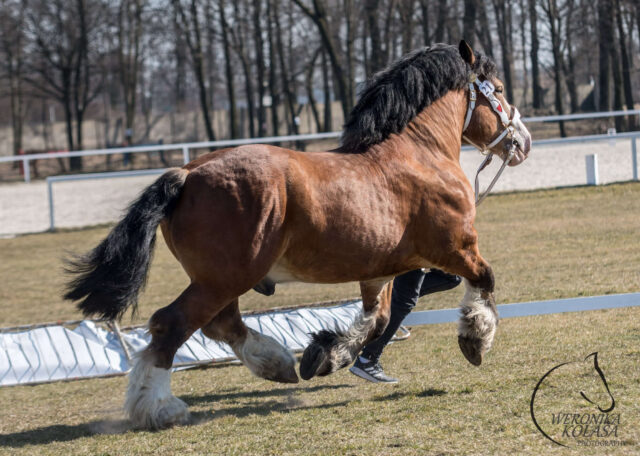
(535, 64)
(65, 67)
(605, 40)
(503, 21)
(318, 14)
(239, 36)
(469, 21)
(260, 65)
(552, 12)
(129, 36)
(12, 42)
(188, 23)
(626, 64)
(228, 66)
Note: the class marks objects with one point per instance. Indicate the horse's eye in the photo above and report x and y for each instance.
(499, 89)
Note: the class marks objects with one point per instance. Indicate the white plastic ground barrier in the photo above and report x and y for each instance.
(55, 352)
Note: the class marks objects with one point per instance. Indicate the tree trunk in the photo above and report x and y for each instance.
(503, 19)
(484, 31)
(554, 28)
(233, 125)
(326, 79)
(626, 66)
(570, 72)
(284, 74)
(424, 22)
(310, 94)
(260, 67)
(537, 99)
(469, 22)
(319, 16)
(405, 9)
(273, 80)
(523, 38)
(605, 36)
(194, 43)
(376, 55)
(129, 34)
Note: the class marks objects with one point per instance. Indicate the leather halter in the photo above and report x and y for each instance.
(487, 89)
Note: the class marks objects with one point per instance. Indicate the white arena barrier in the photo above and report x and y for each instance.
(53, 352)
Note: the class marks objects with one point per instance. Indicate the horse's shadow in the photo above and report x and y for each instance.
(66, 433)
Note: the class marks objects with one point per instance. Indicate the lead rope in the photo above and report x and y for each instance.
(483, 165)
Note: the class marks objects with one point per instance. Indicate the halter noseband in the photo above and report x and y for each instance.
(487, 89)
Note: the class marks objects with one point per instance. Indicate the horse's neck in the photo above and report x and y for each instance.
(437, 130)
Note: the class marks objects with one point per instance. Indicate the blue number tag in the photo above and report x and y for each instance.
(486, 88)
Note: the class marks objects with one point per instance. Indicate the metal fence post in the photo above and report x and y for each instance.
(634, 157)
(52, 223)
(185, 155)
(592, 169)
(26, 170)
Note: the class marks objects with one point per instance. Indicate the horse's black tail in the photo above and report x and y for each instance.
(110, 276)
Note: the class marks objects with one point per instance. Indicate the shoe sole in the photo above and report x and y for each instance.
(364, 375)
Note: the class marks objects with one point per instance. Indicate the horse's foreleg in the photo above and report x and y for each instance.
(262, 355)
(333, 350)
(479, 317)
(149, 402)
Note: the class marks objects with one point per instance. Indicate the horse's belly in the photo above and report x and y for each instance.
(281, 273)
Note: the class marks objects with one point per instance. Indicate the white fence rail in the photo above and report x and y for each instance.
(187, 147)
(632, 137)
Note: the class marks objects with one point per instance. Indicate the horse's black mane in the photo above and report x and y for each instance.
(395, 95)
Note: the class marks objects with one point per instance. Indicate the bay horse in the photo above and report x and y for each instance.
(390, 199)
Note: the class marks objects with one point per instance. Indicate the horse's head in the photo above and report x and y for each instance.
(598, 394)
(491, 123)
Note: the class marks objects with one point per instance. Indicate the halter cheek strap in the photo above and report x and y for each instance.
(487, 89)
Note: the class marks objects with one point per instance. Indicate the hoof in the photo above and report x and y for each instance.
(287, 376)
(173, 413)
(472, 349)
(313, 356)
(147, 413)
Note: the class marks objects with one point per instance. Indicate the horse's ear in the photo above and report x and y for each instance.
(466, 52)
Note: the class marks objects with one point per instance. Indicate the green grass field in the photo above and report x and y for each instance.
(542, 245)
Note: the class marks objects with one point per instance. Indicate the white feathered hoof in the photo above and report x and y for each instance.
(160, 414)
(266, 358)
(476, 330)
(149, 403)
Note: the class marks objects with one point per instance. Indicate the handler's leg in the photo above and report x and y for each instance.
(333, 350)
(406, 290)
(263, 355)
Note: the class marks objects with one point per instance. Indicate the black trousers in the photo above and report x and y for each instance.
(407, 288)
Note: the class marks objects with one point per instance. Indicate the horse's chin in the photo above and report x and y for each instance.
(517, 158)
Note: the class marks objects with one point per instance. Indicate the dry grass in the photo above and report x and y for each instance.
(546, 244)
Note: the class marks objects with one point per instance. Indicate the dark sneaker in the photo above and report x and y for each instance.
(371, 371)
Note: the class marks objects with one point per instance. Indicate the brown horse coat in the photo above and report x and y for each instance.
(239, 216)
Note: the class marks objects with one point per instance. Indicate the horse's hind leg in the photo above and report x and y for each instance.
(149, 401)
(333, 350)
(263, 355)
